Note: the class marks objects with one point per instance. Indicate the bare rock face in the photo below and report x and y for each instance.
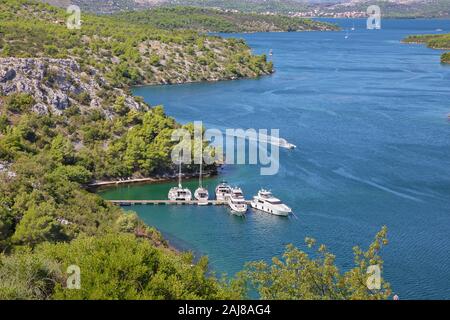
(56, 84)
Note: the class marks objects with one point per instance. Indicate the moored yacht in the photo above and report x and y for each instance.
(223, 191)
(237, 202)
(266, 202)
(179, 193)
(201, 194)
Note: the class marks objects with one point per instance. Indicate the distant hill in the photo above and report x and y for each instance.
(213, 20)
(259, 6)
(398, 8)
(390, 8)
(106, 6)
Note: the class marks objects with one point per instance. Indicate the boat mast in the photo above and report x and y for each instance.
(179, 174)
(201, 165)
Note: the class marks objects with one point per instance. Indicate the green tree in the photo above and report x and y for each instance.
(38, 225)
(4, 122)
(27, 276)
(62, 151)
(154, 60)
(119, 106)
(445, 58)
(122, 267)
(298, 277)
(75, 173)
(127, 223)
(6, 226)
(19, 102)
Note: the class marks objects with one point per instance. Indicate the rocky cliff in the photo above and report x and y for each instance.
(56, 84)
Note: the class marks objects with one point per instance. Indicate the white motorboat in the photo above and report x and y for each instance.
(266, 202)
(287, 145)
(237, 202)
(179, 193)
(223, 191)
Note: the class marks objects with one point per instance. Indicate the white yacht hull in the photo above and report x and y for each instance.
(180, 198)
(239, 209)
(271, 210)
(238, 212)
(221, 197)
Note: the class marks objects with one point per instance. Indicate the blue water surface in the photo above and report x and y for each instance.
(369, 117)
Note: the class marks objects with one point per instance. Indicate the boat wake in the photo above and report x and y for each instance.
(345, 174)
(276, 141)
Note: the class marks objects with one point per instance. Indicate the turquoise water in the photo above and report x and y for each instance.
(369, 117)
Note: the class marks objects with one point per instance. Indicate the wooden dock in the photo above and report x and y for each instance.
(167, 202)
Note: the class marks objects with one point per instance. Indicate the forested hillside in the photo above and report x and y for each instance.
(124, 52)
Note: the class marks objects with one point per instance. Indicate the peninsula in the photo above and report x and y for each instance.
(435, 41)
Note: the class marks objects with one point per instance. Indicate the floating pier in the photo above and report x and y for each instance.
(168, 202)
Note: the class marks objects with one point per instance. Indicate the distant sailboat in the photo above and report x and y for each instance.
(271, 52)
(353, 27)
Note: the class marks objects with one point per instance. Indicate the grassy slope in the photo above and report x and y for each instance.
(212, 20)
(441, 41)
